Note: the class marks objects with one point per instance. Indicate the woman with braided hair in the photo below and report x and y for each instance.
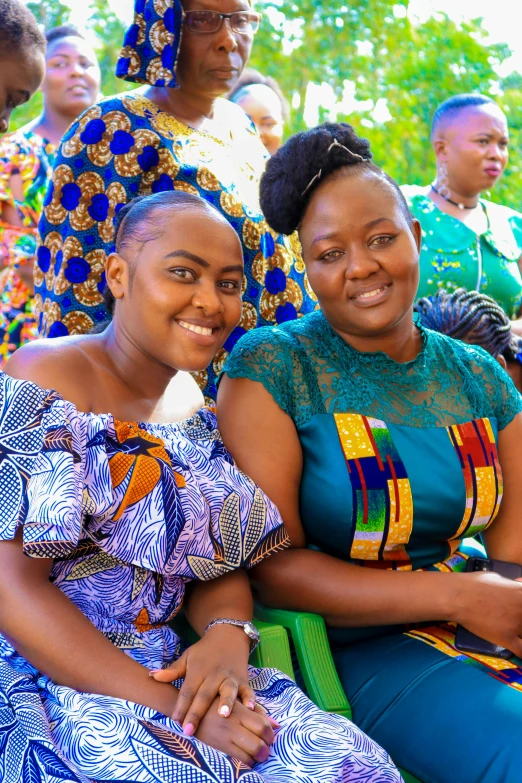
(476, 319)
(384, 444)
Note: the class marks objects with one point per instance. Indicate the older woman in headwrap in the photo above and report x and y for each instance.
(177, 133)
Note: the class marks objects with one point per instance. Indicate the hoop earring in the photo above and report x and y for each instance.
(443, 182)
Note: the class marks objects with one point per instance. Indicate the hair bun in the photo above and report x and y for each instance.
(283, 190)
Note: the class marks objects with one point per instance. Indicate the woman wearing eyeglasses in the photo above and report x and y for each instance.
(178, 133)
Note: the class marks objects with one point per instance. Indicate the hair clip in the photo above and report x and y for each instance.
(319, 174)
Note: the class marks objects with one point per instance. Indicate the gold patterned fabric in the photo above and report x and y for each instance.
(125, 147)
(151, 44)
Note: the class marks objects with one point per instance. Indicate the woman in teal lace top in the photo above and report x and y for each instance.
(384, 445)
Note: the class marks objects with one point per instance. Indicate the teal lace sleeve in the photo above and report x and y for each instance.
(497, 395)
(268, 356)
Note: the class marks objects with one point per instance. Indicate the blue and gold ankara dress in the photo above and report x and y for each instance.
(130, 513)
(124, 147)
(400, 464)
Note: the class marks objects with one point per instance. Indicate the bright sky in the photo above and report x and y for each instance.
(502, 19)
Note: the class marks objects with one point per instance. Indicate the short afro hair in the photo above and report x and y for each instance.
(452, 107)
(306, 160)
(63, 31)
(19, 29)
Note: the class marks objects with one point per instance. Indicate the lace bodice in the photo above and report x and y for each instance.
(308, 369)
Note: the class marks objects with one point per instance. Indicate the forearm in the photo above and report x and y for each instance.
(59, 641)
(229, 596)
(352, 596)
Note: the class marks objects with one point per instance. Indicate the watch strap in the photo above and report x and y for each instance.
(247, 626)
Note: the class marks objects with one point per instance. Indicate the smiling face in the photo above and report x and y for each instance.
(72, 78)
(20, 77)
(264, 108)
(474, 146)
(178, 296)
(209, 64)
(361, 254)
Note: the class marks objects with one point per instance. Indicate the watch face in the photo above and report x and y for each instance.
(251, 631)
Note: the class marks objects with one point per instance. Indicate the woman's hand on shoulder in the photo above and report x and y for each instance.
(52, 364)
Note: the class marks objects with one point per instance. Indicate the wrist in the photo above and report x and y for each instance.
(232, 636)
(455, 597)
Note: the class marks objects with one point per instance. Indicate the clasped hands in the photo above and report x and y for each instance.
(216, 703)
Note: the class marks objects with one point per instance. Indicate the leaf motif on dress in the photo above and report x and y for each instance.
(5, 733)
(205, 569)
(31, 772)
(230, 529)
(60, 438)
(52, 764)
(103, 561)
(239, 768)
(139, 578)
(178, 746)
(256, 523)
(273, 542)
(173, 510)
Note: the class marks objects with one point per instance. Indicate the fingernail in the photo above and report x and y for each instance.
(224, 711)
(251, 705)
(274, 723)
(188, 730)
(153, 672)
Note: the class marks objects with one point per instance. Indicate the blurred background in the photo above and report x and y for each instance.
(382, 65)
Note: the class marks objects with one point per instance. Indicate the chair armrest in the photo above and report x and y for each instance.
(308, 633)
(273, 651)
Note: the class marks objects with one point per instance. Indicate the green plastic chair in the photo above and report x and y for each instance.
(273, 651)
(322, 683)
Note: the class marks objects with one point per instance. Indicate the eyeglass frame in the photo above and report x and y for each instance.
(223, 17)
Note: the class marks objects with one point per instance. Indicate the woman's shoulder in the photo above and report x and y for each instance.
(279, 338)
(57, 364)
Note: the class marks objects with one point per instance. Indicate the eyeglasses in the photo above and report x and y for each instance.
(242, 22)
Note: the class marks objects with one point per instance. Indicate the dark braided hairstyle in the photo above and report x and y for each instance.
(291, 175)
(472, 317)
(140, 221)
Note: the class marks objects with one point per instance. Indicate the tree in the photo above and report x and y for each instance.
(50, 13)
(390, 61)
(109, 32)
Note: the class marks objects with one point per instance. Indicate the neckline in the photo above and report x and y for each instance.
(205, 409)
(380, 356)
(460, 223)
(158, 110)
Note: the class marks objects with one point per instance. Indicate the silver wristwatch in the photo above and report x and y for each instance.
(248, 627)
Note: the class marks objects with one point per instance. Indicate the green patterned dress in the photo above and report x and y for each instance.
(453, 256)
(400, 464)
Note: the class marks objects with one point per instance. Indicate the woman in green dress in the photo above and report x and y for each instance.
(384, 444)
(467, 241)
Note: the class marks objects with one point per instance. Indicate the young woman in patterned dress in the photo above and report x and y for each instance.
(118, 487)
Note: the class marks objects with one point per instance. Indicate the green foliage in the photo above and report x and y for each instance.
(50, 13)
(388, 58)
(109, 32)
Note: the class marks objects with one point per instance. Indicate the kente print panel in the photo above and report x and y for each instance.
(382, 504)
(474, 444)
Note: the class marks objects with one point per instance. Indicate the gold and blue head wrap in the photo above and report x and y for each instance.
(151, 44)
